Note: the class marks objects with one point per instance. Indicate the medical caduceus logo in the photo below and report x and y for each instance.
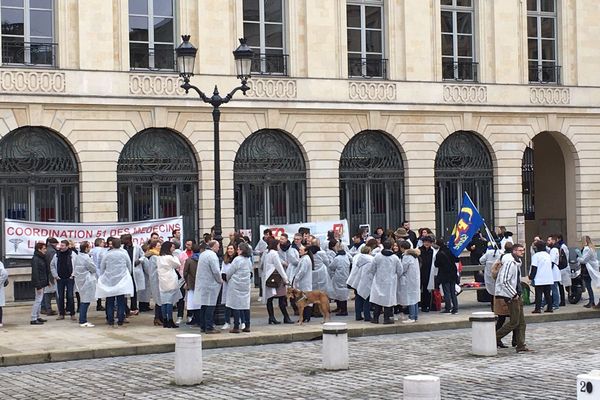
(462, 225)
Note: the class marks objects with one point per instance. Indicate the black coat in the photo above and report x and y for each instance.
(446, 264)
(40, 271)
(426, 259)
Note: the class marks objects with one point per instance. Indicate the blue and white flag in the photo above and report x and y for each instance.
(468, 222)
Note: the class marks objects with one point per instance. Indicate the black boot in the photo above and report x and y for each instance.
(307, 313)
(286, 317)
(271, 312)
(343, 308)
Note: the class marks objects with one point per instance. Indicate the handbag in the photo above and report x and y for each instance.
(500, 306)
(274, 280)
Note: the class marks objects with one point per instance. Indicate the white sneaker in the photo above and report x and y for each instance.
(87, 325)
(259, 299)
(1, 325)
(178, 322)
(408, 321)
(243, 326)
(189, 319)
(226, 326)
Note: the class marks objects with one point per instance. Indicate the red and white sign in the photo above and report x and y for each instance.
(317, 229)
(20, 237)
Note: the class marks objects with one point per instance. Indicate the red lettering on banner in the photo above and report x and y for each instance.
(277, 232)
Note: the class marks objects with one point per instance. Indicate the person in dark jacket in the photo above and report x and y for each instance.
(62, 268)
(51, 244)
(447, 276)
(40, 278)
(477, 247)
(426, 260)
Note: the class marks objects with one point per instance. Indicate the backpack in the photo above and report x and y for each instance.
(562, 259)
(496, 268)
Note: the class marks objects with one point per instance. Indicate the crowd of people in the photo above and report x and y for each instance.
(395, 273)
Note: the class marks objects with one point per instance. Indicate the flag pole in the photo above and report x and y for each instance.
(487, 229)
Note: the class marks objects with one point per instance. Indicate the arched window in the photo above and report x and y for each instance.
(39, 176)
(157, 177)
(371, 182)
(270, 181)
(463, 164)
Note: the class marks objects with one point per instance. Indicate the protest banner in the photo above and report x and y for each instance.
(20, 237)
(317, 229)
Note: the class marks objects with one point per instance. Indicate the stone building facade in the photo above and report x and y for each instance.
(371, 110)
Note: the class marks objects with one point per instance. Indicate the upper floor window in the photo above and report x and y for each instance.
(541, 41)
(151, 34)
(28, 32)
(365, 38)
(458, 50)
(264, 32)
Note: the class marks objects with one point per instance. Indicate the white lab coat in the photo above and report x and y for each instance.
(320, 276)
(544, 274)
(339, 270)
(238, 282)
(354, 276)
(409, 282)
(97, 253)
(364, 265)
(116, 279)
(149, 265)
(303, 275)
(289, 259)
(224, 269)
(85, 277)
(3, 278)
(565, 273)
(271, 262)
(487, 260)
(168, 283)
(590, 259)
(386, 267)
(554, 256)
(208, 279)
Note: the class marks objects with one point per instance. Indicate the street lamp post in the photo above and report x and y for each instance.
(186, 58)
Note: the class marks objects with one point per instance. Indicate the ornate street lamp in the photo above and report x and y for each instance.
(186, 58)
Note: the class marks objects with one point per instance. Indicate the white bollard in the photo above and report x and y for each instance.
(483, 333)
(422, 387)
(188, 359)
(335, 346)
(588, 386)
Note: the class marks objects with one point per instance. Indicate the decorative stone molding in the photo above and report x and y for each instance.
(372, 91)
(154, 85)
(549, 95)
(465, 94)
(272, 88)
(32, 81)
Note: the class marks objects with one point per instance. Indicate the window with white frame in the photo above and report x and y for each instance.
(264, 30)
(458, 47)
(28, 32)
(151, 34)
(541, 41)
(365, 38)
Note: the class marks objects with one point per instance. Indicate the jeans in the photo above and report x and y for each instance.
(413, 311)
(450, 296)
(37, 304)
(83, 309)
(206, 318)
(110, 309)
(61, 286)
(245, 317)
(228, 313)
(48, 302)
(546, 290)
(588, 286)
(167, 312)
(362, 308)
(555, 295)
(516, 322)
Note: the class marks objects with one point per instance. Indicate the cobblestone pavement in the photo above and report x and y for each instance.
(292, 371)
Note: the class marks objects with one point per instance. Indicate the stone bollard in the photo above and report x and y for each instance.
(422, 387)
(588, 386)
(188, 359)
(483, 333)
(335, 346)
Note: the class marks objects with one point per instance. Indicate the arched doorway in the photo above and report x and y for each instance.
(462, 164)
(269, 175)
(157, 177)
(549, 187)
(372, 181)
(39, 176)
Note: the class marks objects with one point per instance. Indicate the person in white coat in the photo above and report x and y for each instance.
(288, 254)
(488, 259)
(238, 278)
(590, 274)
(259, 251)
(541, 276)
(339, 269)
(136, 255)
(554, 250)
(409, 290)
(151, 271)
(115, 282)
(320, 278)
(3, 282)
(272, 264)
(97, 252)
(230, 255)
(363, 278)
(303, 278)
(208, 286)
(168, 282)
(85, 282)
(386, 268)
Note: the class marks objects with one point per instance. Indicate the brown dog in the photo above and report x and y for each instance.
(303, 299)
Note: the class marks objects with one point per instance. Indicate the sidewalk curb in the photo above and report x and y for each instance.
(260, 338)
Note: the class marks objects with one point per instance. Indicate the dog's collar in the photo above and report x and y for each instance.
(302, 298)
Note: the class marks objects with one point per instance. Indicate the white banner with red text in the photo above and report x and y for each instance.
(20, 237)
(317, 229)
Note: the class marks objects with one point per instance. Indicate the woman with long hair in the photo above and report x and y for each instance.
(588, 259)
(228, 257)
(238, 276)
(271, 266)
(168, 283)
